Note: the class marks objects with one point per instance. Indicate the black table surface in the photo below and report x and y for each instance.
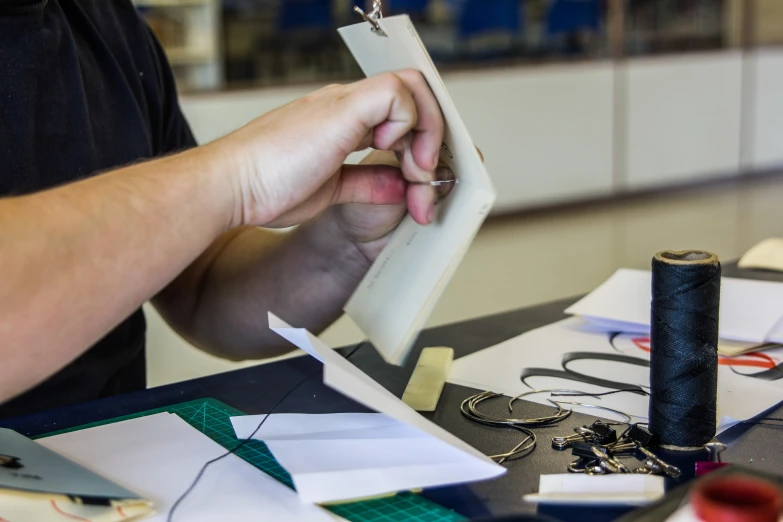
(256, 390)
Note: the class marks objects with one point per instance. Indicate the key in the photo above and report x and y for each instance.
(562, 443)
(672, 471)
(596, 469)
(626, 448)
(579, 465)
(608, 462)
(584, 450)
(649, 468)
(588, 466)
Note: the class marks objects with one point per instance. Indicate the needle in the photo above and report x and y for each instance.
(434, 183)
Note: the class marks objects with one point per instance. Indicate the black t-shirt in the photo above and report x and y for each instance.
(84, 87)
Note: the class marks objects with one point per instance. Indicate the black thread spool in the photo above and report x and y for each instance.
(684, 344)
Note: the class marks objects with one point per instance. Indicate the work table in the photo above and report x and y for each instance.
(256, 390)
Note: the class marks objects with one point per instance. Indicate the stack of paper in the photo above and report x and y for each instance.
(750, 311)
(160, 457)
(348, 456)
(566, 355)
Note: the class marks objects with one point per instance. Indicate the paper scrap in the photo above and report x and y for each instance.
(160, 455)
(393, 302)
(569, 488)
(341, 468)
(749, 310)
(566, 355)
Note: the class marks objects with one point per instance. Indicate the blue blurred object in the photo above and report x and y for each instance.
(477, 17)
(241, 6)
(392, 7)
(411, 7)
(296, 15)
(568, 16)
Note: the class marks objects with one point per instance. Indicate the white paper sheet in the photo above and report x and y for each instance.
(749, 310)
(160, 455)
(343, 426)
(499, 368)
(570, 488)
(353, 455)
(345, 469)
(393, 302)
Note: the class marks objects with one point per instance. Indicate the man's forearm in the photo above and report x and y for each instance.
(78, 259)
(305, 276)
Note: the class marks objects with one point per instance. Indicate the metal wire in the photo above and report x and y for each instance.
(628, 418)
(553, 392)
(520, 450)
(469, 409)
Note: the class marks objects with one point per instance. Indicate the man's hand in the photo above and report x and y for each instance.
(150, 229)
(369, 226)
(290, 161)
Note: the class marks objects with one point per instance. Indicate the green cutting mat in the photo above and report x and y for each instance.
(211, 417)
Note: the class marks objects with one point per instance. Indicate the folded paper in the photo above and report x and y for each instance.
(347, 456)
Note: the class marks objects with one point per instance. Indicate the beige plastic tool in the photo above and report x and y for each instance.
(429, 376)
(767, 255)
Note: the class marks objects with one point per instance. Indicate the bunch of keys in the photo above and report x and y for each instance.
(598, 459)
(596, 433)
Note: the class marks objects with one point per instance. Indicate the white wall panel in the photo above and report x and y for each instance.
(683, 118)
(765, 137)
(546, 132)
(213, 115)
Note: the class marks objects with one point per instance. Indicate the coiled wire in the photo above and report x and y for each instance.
(469, 409)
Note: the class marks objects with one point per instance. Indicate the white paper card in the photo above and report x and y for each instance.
(749, 310)
(160, 456)
(393, 302)
(417, 452)
(603, 490)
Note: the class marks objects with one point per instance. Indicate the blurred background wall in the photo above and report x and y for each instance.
(641, 93)
(570, 100)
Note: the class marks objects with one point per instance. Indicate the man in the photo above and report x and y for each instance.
(84, 89)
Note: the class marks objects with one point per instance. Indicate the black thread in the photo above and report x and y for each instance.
(244, 442)
(773, 422)
(684, 355)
